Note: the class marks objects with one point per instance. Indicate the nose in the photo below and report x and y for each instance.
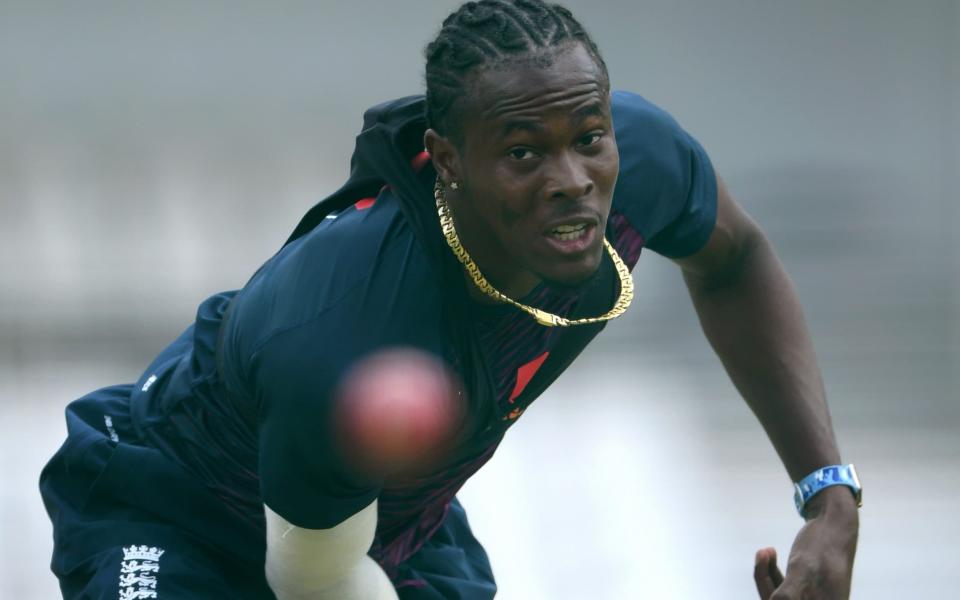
(568, 178)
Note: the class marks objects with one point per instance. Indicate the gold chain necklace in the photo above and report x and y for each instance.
(542, 316)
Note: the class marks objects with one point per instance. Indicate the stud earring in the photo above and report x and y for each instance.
(454, 185)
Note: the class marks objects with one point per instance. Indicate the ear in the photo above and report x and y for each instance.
(445, 156)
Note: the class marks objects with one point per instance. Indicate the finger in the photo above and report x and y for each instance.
(766, 573)
(775, 575)
(765, 567)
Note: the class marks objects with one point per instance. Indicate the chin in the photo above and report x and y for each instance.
(573, 277)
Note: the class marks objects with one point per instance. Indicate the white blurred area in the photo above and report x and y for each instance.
(151, 154)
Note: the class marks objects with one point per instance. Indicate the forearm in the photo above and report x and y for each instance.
(365, 581)
(328, 564)
(750, 313)
(752, 318)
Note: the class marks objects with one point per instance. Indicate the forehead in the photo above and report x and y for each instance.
(567, 82)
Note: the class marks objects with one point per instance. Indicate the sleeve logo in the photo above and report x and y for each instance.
(138, 572)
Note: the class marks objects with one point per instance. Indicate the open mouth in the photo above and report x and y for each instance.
(568, 233)
(572, 238)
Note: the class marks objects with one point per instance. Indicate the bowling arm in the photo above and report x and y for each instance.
(752, 317)
(322, 564)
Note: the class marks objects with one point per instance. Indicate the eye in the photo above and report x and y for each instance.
(521, 153)
(591, 138)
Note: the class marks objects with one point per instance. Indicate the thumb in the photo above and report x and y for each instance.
(766, 573)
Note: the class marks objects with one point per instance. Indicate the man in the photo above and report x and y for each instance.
(217, 474)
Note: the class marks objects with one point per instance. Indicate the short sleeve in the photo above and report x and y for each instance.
(358, 284)
(667, 188)
(303, 476)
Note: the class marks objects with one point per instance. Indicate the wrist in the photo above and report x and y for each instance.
(837, 502)
(822, 479)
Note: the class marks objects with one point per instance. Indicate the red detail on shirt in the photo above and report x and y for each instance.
(525, 374)
(513, 414)
(420, 161)
(365, 203)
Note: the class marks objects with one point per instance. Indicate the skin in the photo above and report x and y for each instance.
(750, 313)
(515, 186)
(538, 152)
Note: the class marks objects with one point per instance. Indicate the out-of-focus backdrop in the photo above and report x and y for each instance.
(154, 153)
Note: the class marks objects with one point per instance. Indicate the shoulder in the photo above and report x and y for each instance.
(666, 188)
(360, 274)
(631, 110)
(652, 144)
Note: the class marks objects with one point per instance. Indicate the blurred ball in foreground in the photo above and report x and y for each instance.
(397, 412)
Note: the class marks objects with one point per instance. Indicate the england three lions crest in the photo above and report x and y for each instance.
(138, 572)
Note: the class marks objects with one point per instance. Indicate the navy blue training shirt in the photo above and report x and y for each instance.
(252, 419)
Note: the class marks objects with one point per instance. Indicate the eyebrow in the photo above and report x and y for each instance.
(594, 109)
(520, 125)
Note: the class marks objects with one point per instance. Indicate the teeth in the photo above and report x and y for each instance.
(569, 228)
(569, 232)
(568, 236)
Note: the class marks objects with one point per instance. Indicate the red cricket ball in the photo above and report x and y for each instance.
(397, 412)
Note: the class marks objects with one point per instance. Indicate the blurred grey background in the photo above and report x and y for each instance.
(154, 153)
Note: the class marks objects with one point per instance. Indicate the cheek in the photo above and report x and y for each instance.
(511, 205)
(494, 210)
(608, 168)
(510, 214)
(511, 220)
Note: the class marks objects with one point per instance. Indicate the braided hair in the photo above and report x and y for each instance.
(489, 34)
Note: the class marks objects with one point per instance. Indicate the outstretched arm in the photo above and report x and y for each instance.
(750, 314)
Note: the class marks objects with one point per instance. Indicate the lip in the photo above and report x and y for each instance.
(575, 246)
(581, 219)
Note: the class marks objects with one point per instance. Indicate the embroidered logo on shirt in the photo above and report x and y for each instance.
(148, 383)
(108, 421)
(138, 572)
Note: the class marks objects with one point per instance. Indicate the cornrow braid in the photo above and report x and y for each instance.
(488, 33)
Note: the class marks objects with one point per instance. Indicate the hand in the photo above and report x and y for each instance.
(821, 560)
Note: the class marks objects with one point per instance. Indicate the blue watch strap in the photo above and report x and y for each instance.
(812, 484)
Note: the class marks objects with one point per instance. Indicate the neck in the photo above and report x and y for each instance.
(479, 297)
